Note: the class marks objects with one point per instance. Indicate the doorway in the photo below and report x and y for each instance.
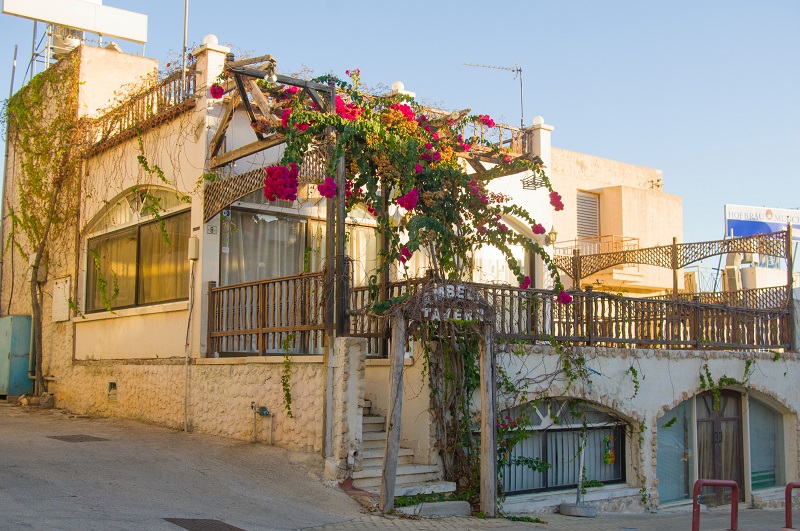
(719, 444)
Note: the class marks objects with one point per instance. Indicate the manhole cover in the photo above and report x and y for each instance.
(199, 524)
(75, 438)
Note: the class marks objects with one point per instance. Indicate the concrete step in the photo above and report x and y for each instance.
(406, 474)
(373, 423)
(373, 457)
(437, 509)
(373, 439)
(413, 489)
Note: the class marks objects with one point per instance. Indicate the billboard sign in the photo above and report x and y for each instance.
(747, 220)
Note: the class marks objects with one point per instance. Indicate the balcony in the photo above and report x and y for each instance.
(609, 243)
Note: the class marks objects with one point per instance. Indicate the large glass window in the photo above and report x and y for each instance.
(675, 454)
(555, 432)
(766, 449)
(144, 264)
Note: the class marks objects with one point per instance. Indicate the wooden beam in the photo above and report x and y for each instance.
(246, 102)
(476, 165)
(320, 103)
(389, 476)
(249, 149)
(488, 496)
(216, 142)
(261, 101)
(250, 61)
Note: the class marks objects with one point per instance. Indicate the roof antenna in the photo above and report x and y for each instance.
(517, 73)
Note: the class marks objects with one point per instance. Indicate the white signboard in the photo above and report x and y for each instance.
(85, 15)
(747, 220)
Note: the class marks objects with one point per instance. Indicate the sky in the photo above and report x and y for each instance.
(705, 91)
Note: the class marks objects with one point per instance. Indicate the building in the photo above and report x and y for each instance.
(175, 294)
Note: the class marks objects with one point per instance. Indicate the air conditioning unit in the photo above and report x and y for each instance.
(65, 40)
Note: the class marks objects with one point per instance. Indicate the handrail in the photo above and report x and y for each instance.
(788, 502)
(700, 483)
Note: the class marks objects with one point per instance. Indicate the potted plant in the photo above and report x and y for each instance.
(609, 456)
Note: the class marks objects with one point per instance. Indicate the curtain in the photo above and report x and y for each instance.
(112, 258)
(163, 262)
(674, 454)
(258, 246)
(766, 435)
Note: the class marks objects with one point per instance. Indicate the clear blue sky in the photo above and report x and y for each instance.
(705, 91)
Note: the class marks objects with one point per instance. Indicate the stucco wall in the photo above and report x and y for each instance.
(220, 395)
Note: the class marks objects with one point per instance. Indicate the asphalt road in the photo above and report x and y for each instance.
(141, 474)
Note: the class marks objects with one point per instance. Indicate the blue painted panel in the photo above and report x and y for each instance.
(15, 340)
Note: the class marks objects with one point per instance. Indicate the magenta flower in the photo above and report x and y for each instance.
(526, 283)
(281, 182)
(407, 111)
(419, 168)
(409, 200)
(327, 188)
(217, 91)
(481, 229)
(564, 297)
(555, 200)
(435, 136)
(285, 117)
(538, 229)
(288, 92)
(428, 146)
(503, 227)
(486, 120)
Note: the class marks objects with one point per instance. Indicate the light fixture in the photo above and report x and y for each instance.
(550, 237)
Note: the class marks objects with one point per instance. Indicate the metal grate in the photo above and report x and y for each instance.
(76, 438)
(200, 524)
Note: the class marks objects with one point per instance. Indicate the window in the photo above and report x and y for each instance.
(588, 215)
(140, 264)
(555, 436)
(766, 448)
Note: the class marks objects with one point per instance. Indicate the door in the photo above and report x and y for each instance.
(719, 444)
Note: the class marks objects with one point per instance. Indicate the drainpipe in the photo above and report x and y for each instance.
(194, 254)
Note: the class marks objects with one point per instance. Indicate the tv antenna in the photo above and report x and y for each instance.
(517, 74)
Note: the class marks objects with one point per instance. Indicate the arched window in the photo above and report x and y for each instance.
(555, 428)
(136, 254)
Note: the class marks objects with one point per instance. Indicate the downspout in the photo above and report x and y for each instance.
(194, 254)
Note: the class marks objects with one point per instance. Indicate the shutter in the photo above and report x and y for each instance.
(588, 215)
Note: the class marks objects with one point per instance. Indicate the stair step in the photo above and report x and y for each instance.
(413, 489)
(370, 453)
(406, 479)
(401, 471)
(377, 462)
(374, 436)
(373, 423)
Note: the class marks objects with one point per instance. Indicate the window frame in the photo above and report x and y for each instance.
(137, 223)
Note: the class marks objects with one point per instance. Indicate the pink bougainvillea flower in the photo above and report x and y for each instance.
(285, 117)
(290, 91)
(435, 136)
(217, 91)
(327, 188)
(538, 229)
(348, 111)
(481, 229)
(436, 156)
(281, 183)
(564, 297)
(525, 284)
(486, 120)
(404, 109)
(555, 200)
(409, 200)
(503, 227)
(418, 168)
(428, 146)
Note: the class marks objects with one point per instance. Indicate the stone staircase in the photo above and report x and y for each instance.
(412, 479)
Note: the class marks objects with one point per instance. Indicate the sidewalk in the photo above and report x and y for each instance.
(749, 520)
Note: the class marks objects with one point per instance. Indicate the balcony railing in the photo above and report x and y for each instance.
(147, 108)
(610, 243)
(286, 315)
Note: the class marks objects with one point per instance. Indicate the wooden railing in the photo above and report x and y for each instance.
(608, 243)
(287, 315)
(149, 107)
(275, 316)
(761, 298)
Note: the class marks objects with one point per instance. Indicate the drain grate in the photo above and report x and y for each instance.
(75, 438)
(199, 524)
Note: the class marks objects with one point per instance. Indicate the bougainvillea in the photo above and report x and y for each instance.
(281, 183)
(391, 143)
(216, 91)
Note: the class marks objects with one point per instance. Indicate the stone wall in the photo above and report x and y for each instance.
(220, 395)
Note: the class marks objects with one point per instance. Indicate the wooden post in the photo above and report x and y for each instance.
(488, 429)
(394, 419)
(576, 268)
(675, 266)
